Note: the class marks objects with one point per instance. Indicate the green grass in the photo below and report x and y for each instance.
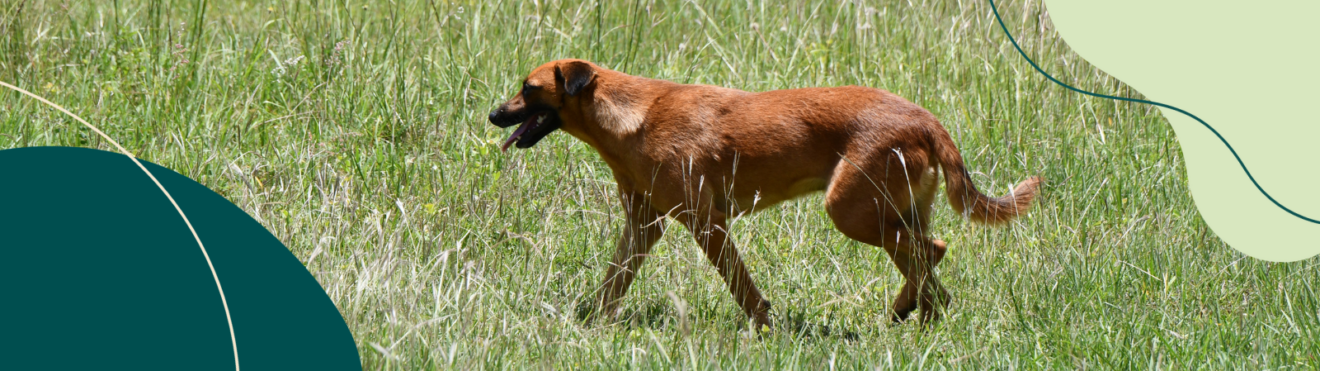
(355, 131)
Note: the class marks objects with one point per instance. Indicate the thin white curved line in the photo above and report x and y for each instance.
(232, 338)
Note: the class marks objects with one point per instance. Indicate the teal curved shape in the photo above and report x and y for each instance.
(101, 272)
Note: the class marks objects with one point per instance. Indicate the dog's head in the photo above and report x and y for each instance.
(536, 109)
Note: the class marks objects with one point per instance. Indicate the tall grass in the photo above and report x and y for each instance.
(355, 131)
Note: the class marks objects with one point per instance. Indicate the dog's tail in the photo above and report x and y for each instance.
(963, 195)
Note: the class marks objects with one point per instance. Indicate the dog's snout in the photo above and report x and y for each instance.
(494, 114)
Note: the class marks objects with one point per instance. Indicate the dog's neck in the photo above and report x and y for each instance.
(616, 111)
(618, 106)
(614, 119)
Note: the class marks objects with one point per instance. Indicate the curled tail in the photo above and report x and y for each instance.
(963, 195)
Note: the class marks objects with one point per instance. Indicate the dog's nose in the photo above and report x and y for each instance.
(493, 114)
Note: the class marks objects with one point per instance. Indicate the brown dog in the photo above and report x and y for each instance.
(702, 154)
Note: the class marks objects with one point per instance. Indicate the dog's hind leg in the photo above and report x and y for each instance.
(642, 228)
(906, 301)
(915, 257)
(890, 208)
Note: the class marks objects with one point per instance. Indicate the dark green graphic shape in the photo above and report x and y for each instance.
(1158, 104)
(99, 271)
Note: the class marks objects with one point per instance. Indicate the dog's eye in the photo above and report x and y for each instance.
(529, 87)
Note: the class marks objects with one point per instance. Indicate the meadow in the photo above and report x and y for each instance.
(356, 132)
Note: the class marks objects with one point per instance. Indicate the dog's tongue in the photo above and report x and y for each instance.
(517, 133)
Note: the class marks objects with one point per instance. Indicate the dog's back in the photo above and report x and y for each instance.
(773, 146)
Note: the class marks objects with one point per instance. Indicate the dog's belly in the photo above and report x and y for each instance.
(767, 196)
(807, 185)
(779, 170)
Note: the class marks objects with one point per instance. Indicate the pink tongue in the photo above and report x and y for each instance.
(517, 133)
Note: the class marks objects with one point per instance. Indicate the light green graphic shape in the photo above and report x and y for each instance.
(1251, 72)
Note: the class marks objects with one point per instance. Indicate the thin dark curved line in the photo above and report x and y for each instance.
(1189, 114)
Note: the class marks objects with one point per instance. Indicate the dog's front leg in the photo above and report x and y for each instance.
(642, 228)
(712, 235)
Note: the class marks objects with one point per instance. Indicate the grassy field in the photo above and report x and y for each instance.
(355, 131)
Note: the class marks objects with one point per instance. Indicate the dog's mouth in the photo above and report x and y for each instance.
(536, 127)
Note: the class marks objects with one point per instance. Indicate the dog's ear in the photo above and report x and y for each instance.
(574, 76)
